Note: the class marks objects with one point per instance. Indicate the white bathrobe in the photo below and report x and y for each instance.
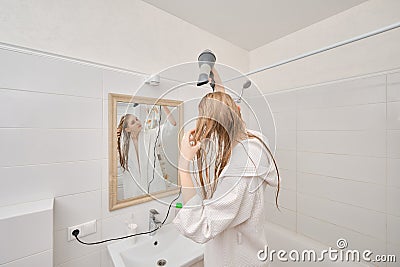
(136, 180)
(231, 223)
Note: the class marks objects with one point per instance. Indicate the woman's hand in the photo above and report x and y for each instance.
(189, 148)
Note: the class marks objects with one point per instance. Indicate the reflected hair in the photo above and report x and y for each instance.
(122, 134)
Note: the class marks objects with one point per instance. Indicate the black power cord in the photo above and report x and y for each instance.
(76, 231)
(154, 152)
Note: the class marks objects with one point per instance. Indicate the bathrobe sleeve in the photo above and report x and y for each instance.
(231, 205)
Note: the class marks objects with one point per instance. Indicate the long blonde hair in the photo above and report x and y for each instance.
(220, 121)
(126, 136)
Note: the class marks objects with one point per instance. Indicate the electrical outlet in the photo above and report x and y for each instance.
(84, 229)
(89, 228)
(71, 229)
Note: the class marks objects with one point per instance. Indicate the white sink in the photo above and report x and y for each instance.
(167, 246)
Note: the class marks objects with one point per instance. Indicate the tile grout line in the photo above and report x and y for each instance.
(336, 81)
(386, 166)
(48, 93)
(28, 256)
(101, 164)
(297, 181)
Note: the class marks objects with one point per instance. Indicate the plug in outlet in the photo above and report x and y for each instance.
(71, 229)
(84, 229)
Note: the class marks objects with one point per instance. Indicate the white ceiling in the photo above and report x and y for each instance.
(253, 23)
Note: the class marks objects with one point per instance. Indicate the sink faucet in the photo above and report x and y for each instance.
(153, 222)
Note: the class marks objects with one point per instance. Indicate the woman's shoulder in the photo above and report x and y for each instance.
(249, 157)
(259, 135)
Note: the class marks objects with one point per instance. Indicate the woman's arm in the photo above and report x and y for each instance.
(219, 87)
(170, 117)
(230, 205)
(188, 152)
(188, 190)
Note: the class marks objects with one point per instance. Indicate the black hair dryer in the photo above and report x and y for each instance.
(206, 63)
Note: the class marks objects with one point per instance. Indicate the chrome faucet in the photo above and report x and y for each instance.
(153, 222)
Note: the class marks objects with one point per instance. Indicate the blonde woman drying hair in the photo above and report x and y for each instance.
(232, 168)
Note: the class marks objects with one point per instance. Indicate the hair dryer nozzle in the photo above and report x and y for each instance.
(203, 79)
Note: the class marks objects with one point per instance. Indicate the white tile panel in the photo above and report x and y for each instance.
(44, 74)
(358, 168)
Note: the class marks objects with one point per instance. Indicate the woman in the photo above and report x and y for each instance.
(229, 214)
(136, 155)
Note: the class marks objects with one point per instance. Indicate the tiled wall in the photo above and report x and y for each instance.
(338, 149)
(54, 143)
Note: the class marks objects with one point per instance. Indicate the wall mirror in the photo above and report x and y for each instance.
(144, 134)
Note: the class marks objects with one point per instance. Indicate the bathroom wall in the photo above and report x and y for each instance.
(129, 34)
(54, 112)
(337, 122)
(370, 55)
(338, 154)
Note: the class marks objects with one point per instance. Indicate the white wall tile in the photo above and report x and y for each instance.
(393, 87)
(393, 143)
(42, 110)
(288, 179)
(393, 229)
(343, 166)
(65, 251)
(76, 209)
(104, 174)
(42, 181)
(260, 117)
(286, 159)
(393, 176)
(286, 198)
(393, 200)
(393, 115)
(43, 74)
(285, 120)
(104, 144)
(361, 220)
(286, 139)
(366, 195)
(105, 113)
(119, 82)
(328, 233)
(43, 259)
(345, 93)
(35, 146)
(285, 218)
(90, 260)
(368, 143)
(361, 117)
(285, 101)
(116, 226)
(393, 250)
(25, 230)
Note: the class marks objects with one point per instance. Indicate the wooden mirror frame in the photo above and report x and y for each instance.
(113, 99)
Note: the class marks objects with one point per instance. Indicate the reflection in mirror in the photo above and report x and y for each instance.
(146, 149)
